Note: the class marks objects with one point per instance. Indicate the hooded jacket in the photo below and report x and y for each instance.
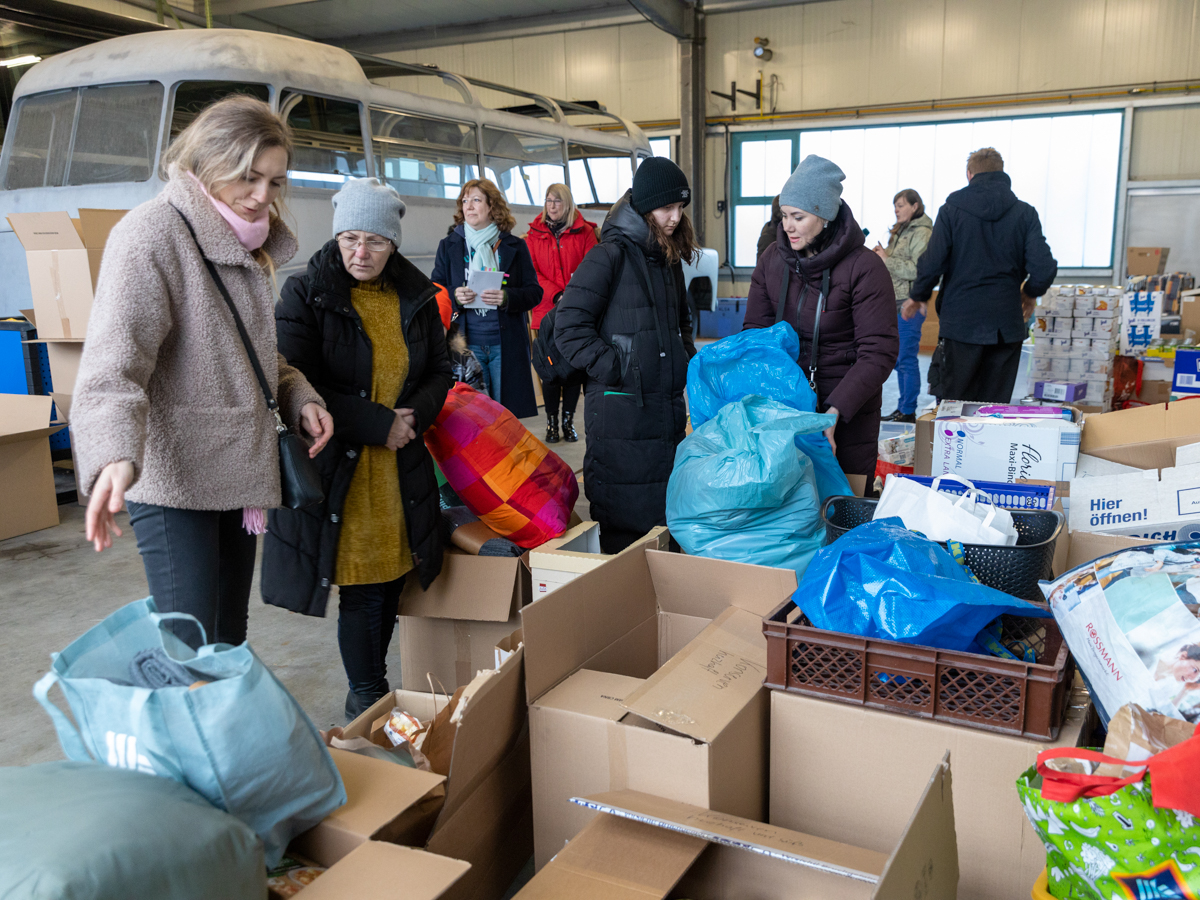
(556, 258)
(986, 243)
(624, 319)
(321, 334)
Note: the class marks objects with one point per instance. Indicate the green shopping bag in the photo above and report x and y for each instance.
(1110, 838)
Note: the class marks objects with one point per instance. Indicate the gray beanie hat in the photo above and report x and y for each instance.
(815, 187)
(367, 204)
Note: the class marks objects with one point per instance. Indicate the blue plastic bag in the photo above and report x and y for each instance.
(881, 580)
(762, 361)
(742, 491)
(240, 741)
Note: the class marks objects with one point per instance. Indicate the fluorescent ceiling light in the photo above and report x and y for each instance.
(20, 61)
(317, 176)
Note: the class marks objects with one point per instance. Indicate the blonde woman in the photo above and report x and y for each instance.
(168, 415)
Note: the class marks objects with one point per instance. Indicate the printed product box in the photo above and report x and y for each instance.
(1187, 372)
(646, 674)
(1141, 319)
(1060, 390)
(1159, 506)
(1006, 449)
(643, 847)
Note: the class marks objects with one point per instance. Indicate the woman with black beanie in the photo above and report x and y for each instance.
(624, 320)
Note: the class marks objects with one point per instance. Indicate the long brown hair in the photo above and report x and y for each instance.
(501, 214)
(912, 198)
(680, 245)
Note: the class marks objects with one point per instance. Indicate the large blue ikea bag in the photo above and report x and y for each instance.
(762, 361)
(742, 491)
(881, 580)
(236, 736)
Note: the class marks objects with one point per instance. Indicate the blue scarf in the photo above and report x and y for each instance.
(480, 244)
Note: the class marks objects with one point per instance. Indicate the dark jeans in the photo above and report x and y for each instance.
(981, 373)
(569, 392)
(366, 621)
(198, 562)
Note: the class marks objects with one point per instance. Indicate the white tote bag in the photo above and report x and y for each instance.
(970, 518)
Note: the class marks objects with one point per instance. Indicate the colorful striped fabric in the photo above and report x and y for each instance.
(505, 475)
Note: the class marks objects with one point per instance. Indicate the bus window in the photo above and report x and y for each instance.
(522, 165)
(41, 140)
(116, 133)
(599, 175)
(193, 96)
(423, 157)
(328, 141)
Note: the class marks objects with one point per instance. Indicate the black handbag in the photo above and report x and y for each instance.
(298, 477)
(781, 305)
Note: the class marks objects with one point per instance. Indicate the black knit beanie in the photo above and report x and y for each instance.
(659, 182)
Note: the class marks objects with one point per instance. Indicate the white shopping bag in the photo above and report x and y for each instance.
(970, 518)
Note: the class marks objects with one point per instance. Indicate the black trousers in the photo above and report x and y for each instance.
(199, 562)
(569, 392)
(982, 373)
(366, 622)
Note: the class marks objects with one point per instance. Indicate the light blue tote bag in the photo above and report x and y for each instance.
(241, 741)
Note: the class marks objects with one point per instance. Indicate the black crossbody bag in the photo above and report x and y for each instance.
(298, 477)
(781, 306)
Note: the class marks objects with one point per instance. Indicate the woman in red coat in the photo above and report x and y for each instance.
(559, 238)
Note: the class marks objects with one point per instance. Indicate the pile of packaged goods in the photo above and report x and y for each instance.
(1075, 336)
(898, 449)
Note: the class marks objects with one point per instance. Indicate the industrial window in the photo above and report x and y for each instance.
(423, 157)
(193, 96)
(328, 141)
(599, 175)
(661, 147)
(1066, 166)
(93, 135)
(522, 165)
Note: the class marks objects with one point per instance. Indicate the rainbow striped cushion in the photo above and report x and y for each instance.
(505, 475)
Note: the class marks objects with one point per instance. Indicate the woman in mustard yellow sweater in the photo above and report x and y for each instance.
(362, 324)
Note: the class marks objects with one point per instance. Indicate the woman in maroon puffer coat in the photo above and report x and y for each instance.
(559, 238)
(857, 344)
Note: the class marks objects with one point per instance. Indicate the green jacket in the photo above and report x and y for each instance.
(904, 249)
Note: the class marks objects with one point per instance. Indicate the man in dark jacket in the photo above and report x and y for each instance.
(988, 248)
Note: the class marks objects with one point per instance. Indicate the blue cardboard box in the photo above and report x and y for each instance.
(1187, 372)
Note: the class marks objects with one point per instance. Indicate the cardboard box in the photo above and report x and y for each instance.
(1189, 312)
(1145, 437)
(63, 255)
(487, 817)
(447, 652)
(1187, 372)
(1084, 546)
(1060, 390)
(646, 674)
(64, 357)
(385, 802)
(1146, 260)
(26, 471)
(1005, 449)
(564, 559)
(642, 846)
(1141, 319)
(1161, 506)
(373, 868)
(852, 774)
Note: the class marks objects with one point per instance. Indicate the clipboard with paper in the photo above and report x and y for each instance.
(483, 281)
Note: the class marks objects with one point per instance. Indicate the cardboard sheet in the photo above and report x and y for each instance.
(30, 503)
(375, 869)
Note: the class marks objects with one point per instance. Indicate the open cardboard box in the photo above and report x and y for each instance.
(1145, 437)
(487, 817)
(63, 255)
(646, 674)
(848, 773)
(26, 471)
(646, 847)
(375, 869)
(564, 559)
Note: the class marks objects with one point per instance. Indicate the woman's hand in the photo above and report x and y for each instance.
(910, 308)
(829, 430)
(318, 423)
(464, 295)
(108, 496)
(880, 251)
(403, 430)
(493, 298)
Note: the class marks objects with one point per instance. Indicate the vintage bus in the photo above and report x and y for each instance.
(89, 127)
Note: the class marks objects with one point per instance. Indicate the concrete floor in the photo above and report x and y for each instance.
(54, 587)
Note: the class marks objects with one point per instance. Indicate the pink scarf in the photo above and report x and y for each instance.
(251, 235)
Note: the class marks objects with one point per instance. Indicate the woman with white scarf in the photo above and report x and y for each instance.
(497, 333)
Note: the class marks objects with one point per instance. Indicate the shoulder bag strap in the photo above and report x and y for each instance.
(812, 356)
(237, 320)
(781, 297)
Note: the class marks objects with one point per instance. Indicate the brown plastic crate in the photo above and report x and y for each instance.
(986, 692)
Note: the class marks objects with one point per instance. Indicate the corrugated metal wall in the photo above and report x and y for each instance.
(1166, 144)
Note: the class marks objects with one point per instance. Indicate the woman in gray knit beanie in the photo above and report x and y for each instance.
(362, 323)
(820, 278)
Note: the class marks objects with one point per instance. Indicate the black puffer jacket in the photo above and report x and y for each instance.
(321, 334)
(624, 320)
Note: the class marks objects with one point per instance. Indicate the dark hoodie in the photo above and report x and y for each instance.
(985, 244)
(623, 319)
(858, 340)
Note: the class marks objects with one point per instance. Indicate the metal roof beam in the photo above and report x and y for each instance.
(671, 16)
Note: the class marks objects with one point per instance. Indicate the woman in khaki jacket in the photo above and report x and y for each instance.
(908, 239)
(168, 415)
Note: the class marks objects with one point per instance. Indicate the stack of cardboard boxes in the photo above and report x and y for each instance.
(1075, 335)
